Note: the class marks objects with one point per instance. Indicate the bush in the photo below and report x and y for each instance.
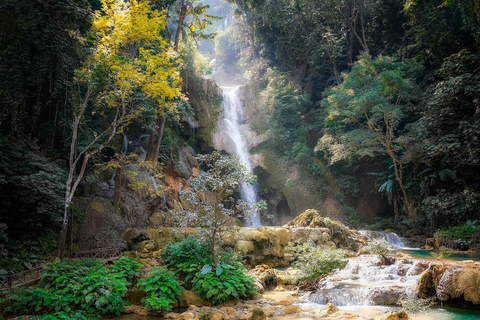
(461, 237)
(70, 287)
(162, 290)
(128, 266)
(315, 261)
(227, 282)
(186, 257)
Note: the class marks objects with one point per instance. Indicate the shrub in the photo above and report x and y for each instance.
(128, 266)
(186, 257)
(70, 287)
(162, 290)
(315, 261)
(461, 237)
(227, 282)
(380, 247)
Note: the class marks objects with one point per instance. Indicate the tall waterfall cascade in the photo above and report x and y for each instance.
(231, 128)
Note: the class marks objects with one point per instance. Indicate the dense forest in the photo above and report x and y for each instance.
(346, 89)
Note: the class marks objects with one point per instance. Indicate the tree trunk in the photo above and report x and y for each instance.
(155, 142)
(181, 18)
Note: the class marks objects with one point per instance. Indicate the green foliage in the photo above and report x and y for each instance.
(464, 236)
(449, 209)
(77, 288)
(285, 100)
(32, 186)
(380, 247)
(162, 290)
(23, 253)
(442, 253)
(352, 215)
(185, 257)
(225, 282)
(129, 267)
(217, 211)
(316, 261)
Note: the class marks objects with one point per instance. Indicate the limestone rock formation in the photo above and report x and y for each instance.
(457, 284)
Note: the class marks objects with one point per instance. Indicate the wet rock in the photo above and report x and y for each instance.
(258, 314)
(291, 309)
(456, 284)
(191, 298)
(393, 315)
(187, 316)
(388, 296)
(331, 310)
(283, 303)
(231, 312)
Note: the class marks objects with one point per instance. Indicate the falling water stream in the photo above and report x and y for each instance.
(231, 122)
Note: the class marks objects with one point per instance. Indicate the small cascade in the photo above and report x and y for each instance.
(233, 116)
(155, 187)
(125, 144)
(391, 237)
(363, 282)
(192, 125)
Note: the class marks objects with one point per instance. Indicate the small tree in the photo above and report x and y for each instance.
(366, 114)
(210, 201)
(129, 62)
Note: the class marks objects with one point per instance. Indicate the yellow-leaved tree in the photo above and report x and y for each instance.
(130, 68)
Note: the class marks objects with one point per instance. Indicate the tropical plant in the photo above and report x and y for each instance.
(77, 288)
(129, 267)
(162, 290)
(366, 112)
(186, 257)
(227, 281)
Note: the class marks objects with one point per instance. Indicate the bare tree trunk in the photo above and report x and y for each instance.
(181, 19)
(161, 127)
(83, 157)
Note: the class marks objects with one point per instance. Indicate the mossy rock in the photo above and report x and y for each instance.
(98, 207)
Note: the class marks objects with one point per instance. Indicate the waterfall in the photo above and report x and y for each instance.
(192, 125)
(125, 144)
(364, 282)
(391, 237)
(154, 182)
(233, 116)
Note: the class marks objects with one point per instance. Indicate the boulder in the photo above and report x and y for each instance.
(258, 314)
(458, 283)
(291, 309)
(393, 315)
(388, 296)
(244, 247)
(191, 298)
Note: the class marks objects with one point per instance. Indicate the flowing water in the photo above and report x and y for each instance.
(231, 125)
(391, 237)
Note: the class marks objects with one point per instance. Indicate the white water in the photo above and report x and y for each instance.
(365, 283)
(391, 237)
(233, 116)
